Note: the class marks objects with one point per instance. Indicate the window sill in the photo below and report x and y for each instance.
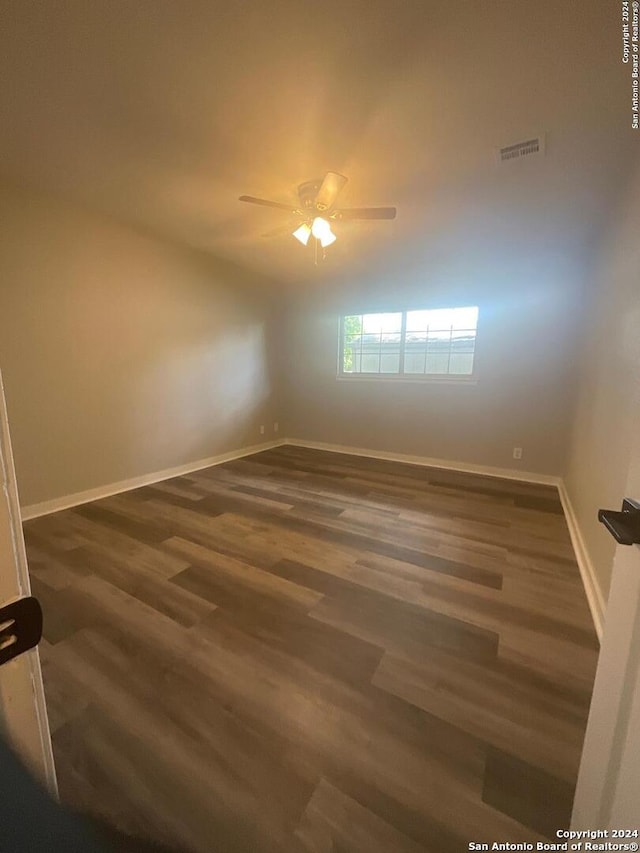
(421, 380)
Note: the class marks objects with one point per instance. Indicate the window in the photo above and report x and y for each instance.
(410, 344)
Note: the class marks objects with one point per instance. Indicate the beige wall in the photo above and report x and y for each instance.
(603, 428)
(525, 344)
(123, 355)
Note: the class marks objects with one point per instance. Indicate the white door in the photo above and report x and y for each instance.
(23, 712)
(608, 790)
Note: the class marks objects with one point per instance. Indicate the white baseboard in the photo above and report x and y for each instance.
(465, 467)
(68, 501)
(592, 588)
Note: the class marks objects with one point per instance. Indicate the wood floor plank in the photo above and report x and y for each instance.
(311, 651)
(225, 580)
(404, 629)
(57, 572)
(198, 526)
(105, 540)
(59, 619)
(338, 553)
(484, 701)
(528, 794)
(559, 660)
(157, 592)
(64, 701)
(149, 532)
(542, 504)
(485, 608)
(54, 530)
(320, 646)
(333, 821)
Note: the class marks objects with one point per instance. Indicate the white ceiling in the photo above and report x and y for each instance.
(163, 112)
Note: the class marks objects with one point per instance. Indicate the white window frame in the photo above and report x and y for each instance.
(401, 376)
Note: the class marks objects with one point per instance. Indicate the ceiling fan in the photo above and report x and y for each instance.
(317, 210)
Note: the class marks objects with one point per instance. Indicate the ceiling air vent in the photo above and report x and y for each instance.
(535, 145)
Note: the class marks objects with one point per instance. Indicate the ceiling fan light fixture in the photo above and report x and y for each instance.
(320, 228)
(303, 233)
(327, 239)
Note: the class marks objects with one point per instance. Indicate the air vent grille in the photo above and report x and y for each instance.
(521, 149)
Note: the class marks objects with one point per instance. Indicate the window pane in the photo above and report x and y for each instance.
(439, 335)
(390, 361)
(351, 352)
(463, 342)
(440, 319)
(437, 363)
(414, 361)
(352, 343)
(438, 346)
(417, 321)
(370, 362)
(382, 323)
(352, 325)
(462, 363)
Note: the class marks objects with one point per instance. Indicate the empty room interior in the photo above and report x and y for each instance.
(320, 346)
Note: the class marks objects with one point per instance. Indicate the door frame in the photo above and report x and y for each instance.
(607, 768)
(23, 710)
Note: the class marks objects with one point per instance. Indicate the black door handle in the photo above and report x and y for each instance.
(20, 627)
(624, 526)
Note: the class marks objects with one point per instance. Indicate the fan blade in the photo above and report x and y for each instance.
(280, 231)
(365, 213)
(328, 192)
(265, 203)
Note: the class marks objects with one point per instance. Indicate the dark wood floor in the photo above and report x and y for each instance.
(307, 651)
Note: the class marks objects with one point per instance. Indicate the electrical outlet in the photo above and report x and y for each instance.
(261, 429)
(517, 453)
(275, 426)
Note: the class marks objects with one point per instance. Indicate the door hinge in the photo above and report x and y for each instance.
(20, 627)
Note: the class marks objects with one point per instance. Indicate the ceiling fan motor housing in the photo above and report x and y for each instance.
(307, 193)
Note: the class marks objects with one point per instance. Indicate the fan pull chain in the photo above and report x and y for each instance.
(315, 248)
